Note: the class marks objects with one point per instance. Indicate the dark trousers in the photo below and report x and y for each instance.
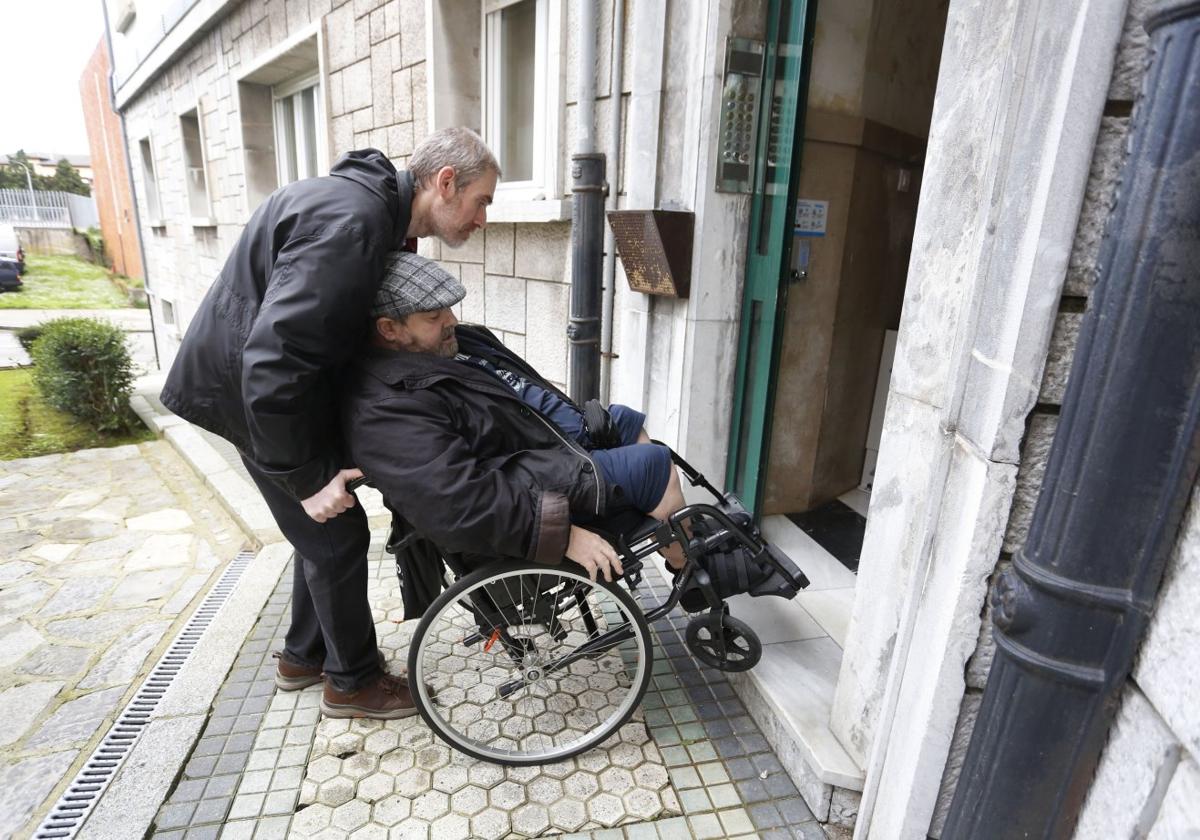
(331, 617)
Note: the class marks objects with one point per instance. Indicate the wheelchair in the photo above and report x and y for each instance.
(519, 663)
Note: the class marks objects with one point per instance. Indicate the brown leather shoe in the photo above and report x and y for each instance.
(386, 698)
(291, 676)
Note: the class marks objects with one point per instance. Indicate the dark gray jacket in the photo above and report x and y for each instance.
(262, 359)
(462, 458)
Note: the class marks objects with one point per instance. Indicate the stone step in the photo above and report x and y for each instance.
(790, 691)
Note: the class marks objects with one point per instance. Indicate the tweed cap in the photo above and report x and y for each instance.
(411, 283)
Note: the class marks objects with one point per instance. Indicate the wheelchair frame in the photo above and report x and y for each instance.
(734, 524)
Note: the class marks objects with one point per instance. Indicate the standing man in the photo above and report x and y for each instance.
(260, 366)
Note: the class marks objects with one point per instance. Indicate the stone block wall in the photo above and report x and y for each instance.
(374, 79)
(1148, 780)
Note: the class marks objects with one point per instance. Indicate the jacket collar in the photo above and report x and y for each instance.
(419, 370)
(370, 168)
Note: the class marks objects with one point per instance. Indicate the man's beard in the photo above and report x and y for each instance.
(445, 225)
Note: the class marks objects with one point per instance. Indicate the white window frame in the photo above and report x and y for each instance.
(150, 182)
(288, 89)
(546, 182)
(205, 220)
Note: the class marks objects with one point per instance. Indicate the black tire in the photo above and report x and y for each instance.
(419, 680)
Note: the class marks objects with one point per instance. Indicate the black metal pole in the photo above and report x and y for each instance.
(587, 247)
(1072, 609)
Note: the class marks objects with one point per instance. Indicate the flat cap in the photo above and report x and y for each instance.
(412, 283)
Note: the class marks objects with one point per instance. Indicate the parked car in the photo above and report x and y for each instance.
(10, 248)
(10, 277)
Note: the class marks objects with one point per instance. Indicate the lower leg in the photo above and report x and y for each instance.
(671, 501)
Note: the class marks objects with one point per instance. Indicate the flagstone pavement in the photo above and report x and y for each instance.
(101, 553)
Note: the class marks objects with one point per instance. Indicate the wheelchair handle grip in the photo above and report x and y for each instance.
(354, 483)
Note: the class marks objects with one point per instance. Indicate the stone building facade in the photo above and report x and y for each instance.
(1021, 153)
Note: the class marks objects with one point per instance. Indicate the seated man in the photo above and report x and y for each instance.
(475, 449)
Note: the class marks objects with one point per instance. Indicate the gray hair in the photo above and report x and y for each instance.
(459, 148)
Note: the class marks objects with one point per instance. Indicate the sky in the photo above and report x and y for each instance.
(45, 47)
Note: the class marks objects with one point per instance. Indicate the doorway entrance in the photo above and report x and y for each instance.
(851, 87)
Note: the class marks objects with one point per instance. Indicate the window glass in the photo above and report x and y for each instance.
(153, 206)
(515, 65)
(296, 135)
(193, 158)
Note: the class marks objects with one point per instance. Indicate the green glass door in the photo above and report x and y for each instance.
(780, 137)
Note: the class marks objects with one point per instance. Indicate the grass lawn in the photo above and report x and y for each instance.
(29, 427)
(64, 283)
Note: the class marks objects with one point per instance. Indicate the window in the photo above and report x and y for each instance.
(281, 107)
(154, 216)
(297, 116)
(522, 45)
(199, 206)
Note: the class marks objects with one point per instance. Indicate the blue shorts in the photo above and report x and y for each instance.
(640, 471)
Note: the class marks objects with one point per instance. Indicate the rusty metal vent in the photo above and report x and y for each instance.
(655, 247)
(68, 814)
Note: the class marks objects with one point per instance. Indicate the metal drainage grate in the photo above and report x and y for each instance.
(84, 792)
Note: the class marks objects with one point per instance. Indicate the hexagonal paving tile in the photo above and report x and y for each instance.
(396, 762)
(616, 780)
(568, 814)
(381, 742)
(581, 785)
(544, 790)
(351, 815)
(433, 757)
(625, 755)
(485, 775)
(391, 809)
(642, 803)
(369, 832)
(324, 768)
(359, 766)
(410, 829)
(430, 805)
(507, 795)
(449, 779)
(412, 782)
(347, 742)
(451, 825)
(311, 820)
(650, 776)
(336, 791)
(606, 809)
(530, 820)
(469, 801)
(376, 787)
(491, 822)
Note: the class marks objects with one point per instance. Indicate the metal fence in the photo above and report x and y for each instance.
(42, 208)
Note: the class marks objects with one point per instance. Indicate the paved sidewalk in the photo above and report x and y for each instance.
(228, 756)
(12, 354)
(101, 553)
(135, 322)
(693, 764)
(130, 320)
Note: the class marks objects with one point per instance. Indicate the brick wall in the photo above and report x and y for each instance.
(110, 182)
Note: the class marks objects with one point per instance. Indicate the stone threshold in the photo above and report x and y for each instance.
(789, 693)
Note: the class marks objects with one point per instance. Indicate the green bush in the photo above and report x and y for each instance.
(28, 335)
(81, 366)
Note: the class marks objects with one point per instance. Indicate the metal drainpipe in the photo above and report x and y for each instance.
(1072, 609)
(587, 223)
(137, 218)
(615, 82)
